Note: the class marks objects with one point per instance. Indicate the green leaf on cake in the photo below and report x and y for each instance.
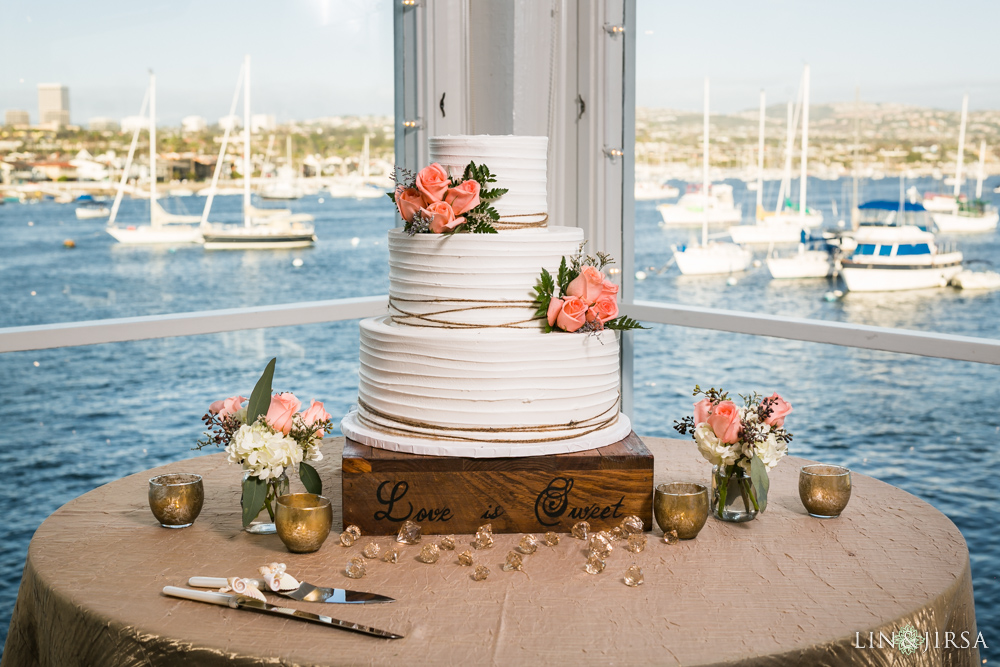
(310, 478)
(623, 323)
(254, 493)
(260, 397)
(544, 289)
(566, 276)
(392, 196)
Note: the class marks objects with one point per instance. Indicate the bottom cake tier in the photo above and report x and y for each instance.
(486, 392)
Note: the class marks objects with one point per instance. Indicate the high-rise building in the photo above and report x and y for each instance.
(53, 104)
(16, 117)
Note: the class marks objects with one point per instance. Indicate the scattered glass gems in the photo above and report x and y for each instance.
(481, 573)
(371, 550)
(632, 524)
(484, 537)
(429, 554)
(356, 567)
(617, 533)
(391, 555)
(353, 530)
(580, 530)
(513, 561)
(409, 533)
(595, 564)
(636, 543)
(633, 576)
(465, 558)
(447, 542)
(671, 537)
(551, 538)
(347, 538)
(528, 544)
(600, 544)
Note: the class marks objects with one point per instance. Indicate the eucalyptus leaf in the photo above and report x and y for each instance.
(761, 484)
(254, 493)
(260, 397)
(310, 478)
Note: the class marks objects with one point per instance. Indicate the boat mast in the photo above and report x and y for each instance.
(153, 218)
(961, 145)
(982, 167)
(805, 140)
(365, 160)
(855, 213)
(760, 161)
(222, 151)
(246, 140)
(128, 164)
(704, 173)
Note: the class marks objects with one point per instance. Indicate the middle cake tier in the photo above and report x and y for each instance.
(473, 281)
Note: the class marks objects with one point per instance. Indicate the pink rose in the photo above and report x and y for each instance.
(313, 414)
(432, 182)
(442, 217)
(587, 285)
(779, 410)
(408, 201)
(605, 309)
(725, 422)
(283, 408)
(573, 314)
(701, 410)
(555, 307)
(609, 289)
(464, 197)
(216, 407)
(229, 406)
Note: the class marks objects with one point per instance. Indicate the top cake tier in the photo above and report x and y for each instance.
(519, 164)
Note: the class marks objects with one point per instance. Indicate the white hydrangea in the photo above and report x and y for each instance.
(715, 452)
(771, 451)
(262, 451)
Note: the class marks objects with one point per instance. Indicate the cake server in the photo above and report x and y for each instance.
(243, 602)
(304, 593)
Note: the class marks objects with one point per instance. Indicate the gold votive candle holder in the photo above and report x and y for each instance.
(824, 489)
(681, 506)
(303, 521)
(176, 498)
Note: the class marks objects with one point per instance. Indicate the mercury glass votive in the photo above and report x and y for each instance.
(176, 498)
(825, 490)
(303, 521)
(681, 506)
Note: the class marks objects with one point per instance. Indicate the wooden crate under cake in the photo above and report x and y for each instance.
(533, 494)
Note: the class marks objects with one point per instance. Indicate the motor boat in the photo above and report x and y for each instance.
(893, 258)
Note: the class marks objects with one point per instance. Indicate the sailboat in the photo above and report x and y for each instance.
(710, 257)
(284, 186)
(358, 187)
(163, 227)
(261, 228)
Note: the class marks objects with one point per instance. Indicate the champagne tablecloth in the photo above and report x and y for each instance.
(785, 589)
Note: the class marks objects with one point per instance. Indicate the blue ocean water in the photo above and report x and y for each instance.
(76, 418)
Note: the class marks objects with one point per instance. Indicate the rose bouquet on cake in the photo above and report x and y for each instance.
(268, 436)
(742, 443)
(580, 298)
(432, 202)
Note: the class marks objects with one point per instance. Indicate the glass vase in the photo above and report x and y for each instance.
(731, 494)
(278, 486)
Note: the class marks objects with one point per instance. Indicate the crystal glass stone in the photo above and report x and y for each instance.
(528, 544)
(580, 530)
(551, 538)
(617, 533)
(595, 564)
(512, 562)
(356, 567)
(429, 554)
(371, 550)
(391, 555)
(409, 533)
(670, 537)
(633, 576)
(465, 558)
(481, 573)
(347, 538)
(600, 544)
(447, 542)
(484, 537)
(353, 530)
(636, 542)
(632, 524)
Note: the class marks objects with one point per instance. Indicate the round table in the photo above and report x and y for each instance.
(784, 589)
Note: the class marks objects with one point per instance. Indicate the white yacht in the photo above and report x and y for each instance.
(969, 217)
(814, 258)
(694, 207)
(653, 191)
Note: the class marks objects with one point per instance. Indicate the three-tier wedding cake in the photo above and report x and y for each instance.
(461, 365)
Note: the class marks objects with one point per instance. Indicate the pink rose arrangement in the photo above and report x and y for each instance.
(432, 202)
(267, 435)
(743, 443)
(580, 297)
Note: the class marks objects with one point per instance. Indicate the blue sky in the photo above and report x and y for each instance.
(316, 58)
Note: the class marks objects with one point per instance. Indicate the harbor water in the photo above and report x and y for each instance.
(76, 418)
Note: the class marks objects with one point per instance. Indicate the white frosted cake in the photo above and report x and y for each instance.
(460, 366)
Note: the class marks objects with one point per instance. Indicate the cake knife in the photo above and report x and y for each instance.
(243, 602)
(304, 593)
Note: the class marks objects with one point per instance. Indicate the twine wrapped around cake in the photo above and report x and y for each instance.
(430, 319)
(507, 222)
